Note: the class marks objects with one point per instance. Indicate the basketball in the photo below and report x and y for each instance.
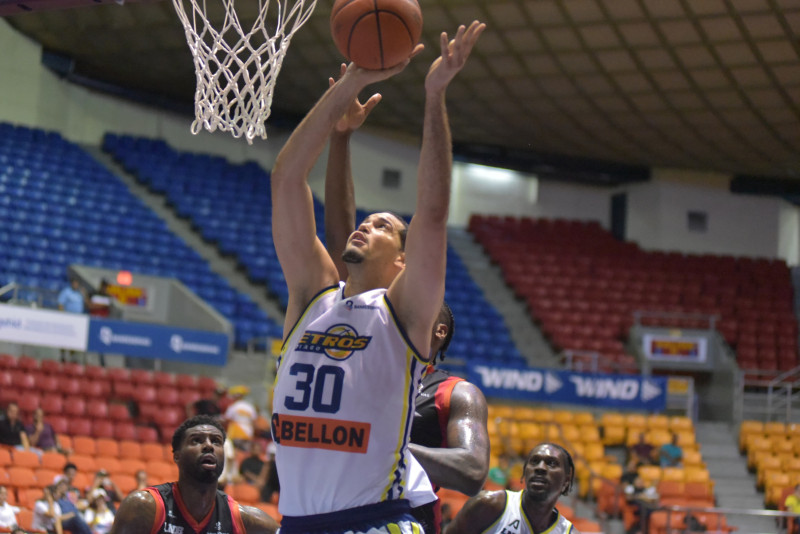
(376, 34)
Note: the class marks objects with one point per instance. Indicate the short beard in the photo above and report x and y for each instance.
(352, 256)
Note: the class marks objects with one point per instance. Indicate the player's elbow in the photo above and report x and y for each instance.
(474, 478)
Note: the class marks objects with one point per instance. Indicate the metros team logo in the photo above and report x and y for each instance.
(339, 342)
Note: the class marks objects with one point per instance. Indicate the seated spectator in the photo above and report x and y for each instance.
(241, 416)
(670, 455)
(212, 406)
(792, 504)
(47, 512)
(111, 491)
(8, 513)
(74, 494)
(71, 517)
(41, 434)
(250, 468)
(640, 497)
(499, 473)
(641, 451)
(98, 515)
(141, 480)
(268, 480)
(12, 432)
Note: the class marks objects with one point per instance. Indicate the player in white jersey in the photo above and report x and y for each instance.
(549, 473)
(343, 397)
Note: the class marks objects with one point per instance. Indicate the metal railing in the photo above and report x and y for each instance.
(38, 297)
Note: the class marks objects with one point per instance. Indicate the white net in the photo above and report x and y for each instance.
(237, 69)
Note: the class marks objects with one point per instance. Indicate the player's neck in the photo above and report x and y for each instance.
(540, 514)
(198, 498)
(361, 279)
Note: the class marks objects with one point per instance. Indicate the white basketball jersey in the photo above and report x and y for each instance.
(514, 520)
(343, 405)
(420, 489)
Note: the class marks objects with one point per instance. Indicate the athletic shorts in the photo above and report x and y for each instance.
(388, 517)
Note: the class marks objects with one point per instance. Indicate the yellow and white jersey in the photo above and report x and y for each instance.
(343, 405)
(514, 521)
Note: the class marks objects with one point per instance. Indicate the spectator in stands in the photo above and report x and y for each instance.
(141, 480)
(99, 305)
(792, 504)
(47, 512)
(251, 467)
(447, 515)
(498, 474)
(41, 434)
(111, 491)
(98, 515)
(268, 479)
(212, 406)
(640, 496)
(230, 471)
(641, 451)
(72, 299)
(8, 513)
(71, 516)
(670, 455)
(12, 431)
(73, 493)
(241, 416)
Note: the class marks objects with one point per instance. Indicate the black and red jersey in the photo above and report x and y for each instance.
(172, 516)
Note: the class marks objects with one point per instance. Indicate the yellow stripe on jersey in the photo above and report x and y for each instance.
(404, 422)
(502, 514)
(402, 332)
(394, 528)
(415, 529)
(305, 312)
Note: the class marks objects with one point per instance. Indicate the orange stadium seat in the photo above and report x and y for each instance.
(129, 449)
(125, 483)
(245, 494)
(45, 477)
(107, 447)
(85, 464)
(84, 445)
(109, 463)
(26, 459)
(53, 460)
(21, 477)
(25, 520)
(749, 428)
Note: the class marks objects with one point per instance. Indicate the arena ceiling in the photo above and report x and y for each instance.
(700, 84)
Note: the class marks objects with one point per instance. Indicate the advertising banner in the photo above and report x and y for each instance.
(157, 341)
(558, 386)
(48, 328)
(675, 348)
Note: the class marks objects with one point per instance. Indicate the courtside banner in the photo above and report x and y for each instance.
(675, 348)
(550, 385)
(157, 341)
(47, 328)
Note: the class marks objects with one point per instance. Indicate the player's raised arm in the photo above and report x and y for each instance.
(417, 293)
(136, 514)
(340, 203)
(305, 263)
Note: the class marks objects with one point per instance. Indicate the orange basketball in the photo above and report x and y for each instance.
(376, 34)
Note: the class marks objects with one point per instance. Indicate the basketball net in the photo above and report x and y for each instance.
(236, 70)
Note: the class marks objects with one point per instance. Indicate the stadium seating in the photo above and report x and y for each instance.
(61, 207)
(229, 205)
(582, 286)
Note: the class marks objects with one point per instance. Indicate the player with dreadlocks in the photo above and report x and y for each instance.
(548, 474)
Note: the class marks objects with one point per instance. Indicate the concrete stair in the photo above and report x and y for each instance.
(735, 486)
(526, 335)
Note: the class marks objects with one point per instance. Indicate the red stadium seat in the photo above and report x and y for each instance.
(52, 404)
(60, 423)
(7, 361)
(96, 409)
(74, 406)
(142, 376)
(163, 379)
(28, 402)
(95, 372)
(184, 381)
(143, 393)
(119, 374)
(73, 369)
(94, 389)
(103, 428)
(125, 431)
(168, 395)
(27, 363)
(118, 412)
(78, 426)
(147, 434)
(51, 367)
(70, 386)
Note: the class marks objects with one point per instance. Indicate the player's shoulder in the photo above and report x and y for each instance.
(256, 521)
(490, 500)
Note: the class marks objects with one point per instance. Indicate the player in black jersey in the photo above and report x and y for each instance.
(193, 504)
(449, 435)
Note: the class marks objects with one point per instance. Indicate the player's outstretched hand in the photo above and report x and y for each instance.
(357, 113)
(454, 55)
(366, 77)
